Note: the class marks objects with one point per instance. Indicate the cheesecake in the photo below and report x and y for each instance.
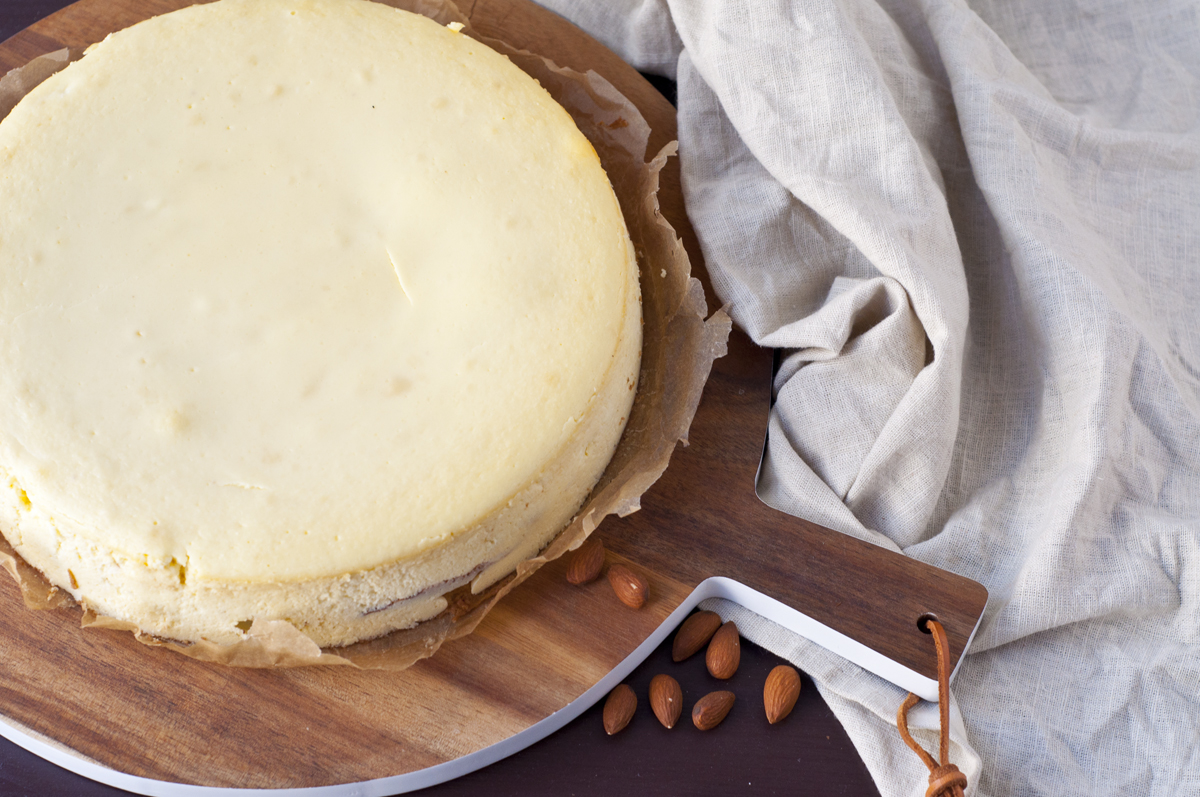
(311, 311)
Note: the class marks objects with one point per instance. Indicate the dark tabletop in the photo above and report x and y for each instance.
(808, 753)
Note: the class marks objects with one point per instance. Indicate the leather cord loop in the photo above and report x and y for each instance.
(945, 779)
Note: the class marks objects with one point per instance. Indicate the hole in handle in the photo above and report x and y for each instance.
(923, 622)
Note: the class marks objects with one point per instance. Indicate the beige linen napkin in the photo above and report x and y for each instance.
(975, 228)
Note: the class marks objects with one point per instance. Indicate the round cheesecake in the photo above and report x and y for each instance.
(310, 311)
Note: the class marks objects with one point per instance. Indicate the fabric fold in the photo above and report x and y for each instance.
(974, 229)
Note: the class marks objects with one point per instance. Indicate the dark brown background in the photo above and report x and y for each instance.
(807, 753)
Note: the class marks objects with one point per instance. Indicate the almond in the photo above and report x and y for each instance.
(587, 562)
(724, 652)
(780, 692)
(619, 708)
(711, 709)
(631, 588)
(666, 699)
(694, 634)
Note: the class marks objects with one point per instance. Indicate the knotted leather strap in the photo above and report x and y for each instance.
(944, 779)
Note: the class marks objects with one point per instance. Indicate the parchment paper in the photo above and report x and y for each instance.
(679, 346)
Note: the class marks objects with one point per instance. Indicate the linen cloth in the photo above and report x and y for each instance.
(975, 228)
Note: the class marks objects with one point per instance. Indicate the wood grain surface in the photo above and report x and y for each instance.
(744, 756)
(155, 714)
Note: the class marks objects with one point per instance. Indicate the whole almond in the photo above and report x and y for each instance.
(694, 634)
(724, 652)
(631, 588)
(666, 699)
(619, 708)
(587, 562)
(711, 709)
(780, 692)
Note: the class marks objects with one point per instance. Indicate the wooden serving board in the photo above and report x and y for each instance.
(153, 714)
